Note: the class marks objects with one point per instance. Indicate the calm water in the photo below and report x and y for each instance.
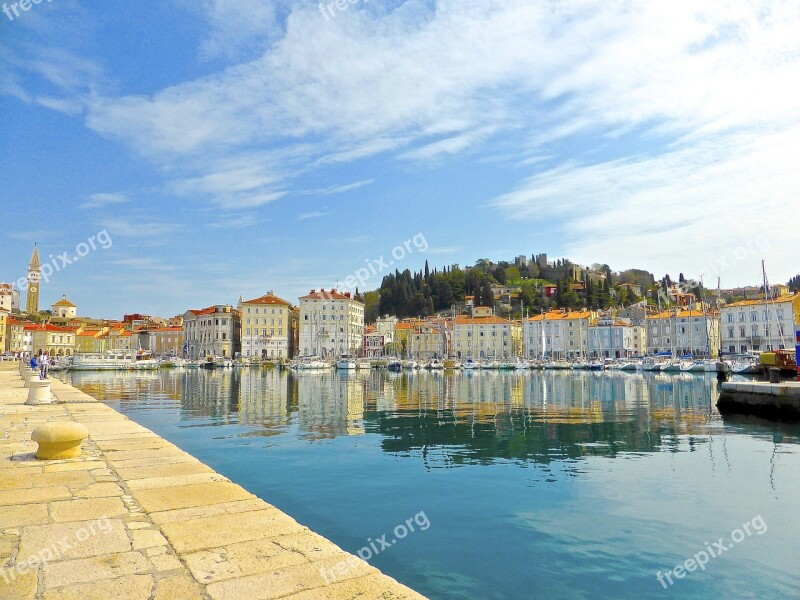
(537, 485)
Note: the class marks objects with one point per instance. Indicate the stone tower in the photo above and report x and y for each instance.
(34, 278)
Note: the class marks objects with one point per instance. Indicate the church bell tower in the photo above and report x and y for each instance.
(34, 278)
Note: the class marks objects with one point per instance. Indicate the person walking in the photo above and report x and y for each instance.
(44, 364)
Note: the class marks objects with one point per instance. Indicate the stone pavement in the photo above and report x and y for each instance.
(137, 518)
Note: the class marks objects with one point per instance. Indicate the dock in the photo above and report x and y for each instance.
(136, 518)
(774, 400)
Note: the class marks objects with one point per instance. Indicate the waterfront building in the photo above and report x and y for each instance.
(64, 308)
(683, 331)
(331, 324)
(4, 342)
(374, 343)
(165, 341)
(55, 340)
(9, 298)
(268, 325)
(89, 340)
(18, 340)
(34, 280)
(616, 338)
(566, 334)
(760, 325)
(421, 338)
(387, 325)
(212, 331)
(486, 336)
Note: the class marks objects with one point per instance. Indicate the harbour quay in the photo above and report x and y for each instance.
(775, 400)
(133, 517)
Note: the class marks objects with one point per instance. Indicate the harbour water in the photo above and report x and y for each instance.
(532, 485)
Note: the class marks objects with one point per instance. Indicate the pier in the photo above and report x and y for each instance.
(136, 518)
(765, 399)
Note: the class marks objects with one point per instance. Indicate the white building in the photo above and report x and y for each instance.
(614, 338)
(64, 308)
(758, 325)
(331, 324)
(566, 334)
(682, 332)
(486, 336)
(9, 298)
(268, 324)
(211, 331)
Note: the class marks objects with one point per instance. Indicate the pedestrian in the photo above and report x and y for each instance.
(44, 364)
(34, 364)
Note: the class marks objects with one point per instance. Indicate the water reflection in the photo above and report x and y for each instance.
(448, 418)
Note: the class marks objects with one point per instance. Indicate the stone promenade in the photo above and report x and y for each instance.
(137, 518)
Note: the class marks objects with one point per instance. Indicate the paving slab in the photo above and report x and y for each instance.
(136, 518)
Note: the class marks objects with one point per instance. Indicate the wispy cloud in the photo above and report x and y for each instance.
(101, 200)
(140, 229)
(338, 189)
(316, 214)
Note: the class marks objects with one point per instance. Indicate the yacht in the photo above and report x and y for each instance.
(114, 361)
(346, 362)
(410, 364)
(651, 364)
(394, 365)
(746, 365)
(470, 364)
(693, 366)
(671, 366)
(596, 365)
(436, 364)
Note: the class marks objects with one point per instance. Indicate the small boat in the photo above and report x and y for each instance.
(746, 366)
(346, 362)
(557, 365)
(693, 366)
(580, 365)
(471, 364)
(506, 366)
(671, 366)
(436, 365)
(410, 364)
(452, 363)
(394, 365)
(716, 366)
(363, 363)
(521, 365)
(596, 365)
(630, 365)
(651, 364)
(489, 364)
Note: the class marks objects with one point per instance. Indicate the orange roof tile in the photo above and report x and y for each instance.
(268, 299)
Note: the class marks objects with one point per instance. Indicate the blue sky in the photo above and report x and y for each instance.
(235, 147)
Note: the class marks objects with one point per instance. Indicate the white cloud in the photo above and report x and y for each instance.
(317, 214)
(101, 200)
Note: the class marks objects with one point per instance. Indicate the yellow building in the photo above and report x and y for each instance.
(56, 341)
(89, 340)
(558, 334)
(64, 308)
(4, 339)
(15, 336)
(421, 338)
(268, 327)
(486, 336)
(166, 341)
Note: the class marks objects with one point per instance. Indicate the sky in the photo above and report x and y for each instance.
(229, 148)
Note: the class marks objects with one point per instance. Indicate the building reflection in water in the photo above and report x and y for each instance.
(448, 418)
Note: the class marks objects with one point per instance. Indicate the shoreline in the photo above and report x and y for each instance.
(161, 524)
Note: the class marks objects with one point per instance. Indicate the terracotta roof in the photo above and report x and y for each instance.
(64, 302)
(268, 299)
(328, 295)
(490, 320)
(48, 327)
(562, 316)
(779, 300)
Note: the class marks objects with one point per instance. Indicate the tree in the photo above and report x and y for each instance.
(794, 283)
(500, 275)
